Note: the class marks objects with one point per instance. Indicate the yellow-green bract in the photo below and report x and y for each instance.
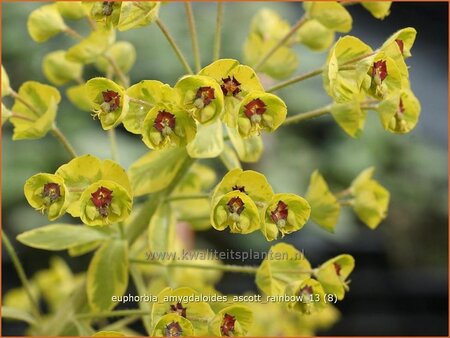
(260, 111)
(371, 199)
(285, 214)
(47, 193)
(35, 119)
(202, 97)
(333, 274)
(400, 112)
(240, 316)
(198, 313)
(45, 22)
(325, 207)
(237, 211)
(283, 265)
(110, 104)
(309, 296)
(236, 81)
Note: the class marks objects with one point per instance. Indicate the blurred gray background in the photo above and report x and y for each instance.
(400, 283)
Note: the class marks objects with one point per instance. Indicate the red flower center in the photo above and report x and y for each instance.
(254, 109)
(164, 122)
(337, 268)
(173, 330)
(52, 191)
(107, 8)
(280, 213)
(206, 94)
(401, 108)
(306, 290)
(178, 308)
(112, 99)
(227, 327)
(379, 70)
(230, 86)
(400, 44)
(235, 205)
(101, 199)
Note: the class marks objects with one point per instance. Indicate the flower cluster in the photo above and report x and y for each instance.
(368, 198)
(245, 202)
(360, 78)
(306, 288)
(97, 191)
(315, 30)
(183, 115)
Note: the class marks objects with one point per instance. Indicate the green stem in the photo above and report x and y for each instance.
(295, 79)
(122, 77)
(113, 143)
(280, 43)
(22, 276)
(369, 106)
(174, 45)
(140, 223)
(117, 313)
(194, 36)
(121, 323)
(346, 203)
(218, 33)
(21, 117)
(186, 197)
(178, 264)
(74, 34)
(343, 193)
(63, 140)
(307, 115)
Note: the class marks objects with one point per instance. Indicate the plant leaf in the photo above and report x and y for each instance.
(208, 142)
(107, 275)
(55, 237)
(17, 314)
(155, 170)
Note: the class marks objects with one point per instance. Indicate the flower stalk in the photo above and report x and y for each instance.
(174, 45)
(194, 36)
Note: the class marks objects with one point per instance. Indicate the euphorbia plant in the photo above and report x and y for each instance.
(219, 111)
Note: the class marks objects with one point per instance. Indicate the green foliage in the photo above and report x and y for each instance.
(56, 237)
(107, 275)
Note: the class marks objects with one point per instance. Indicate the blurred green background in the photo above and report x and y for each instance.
(401, 272)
